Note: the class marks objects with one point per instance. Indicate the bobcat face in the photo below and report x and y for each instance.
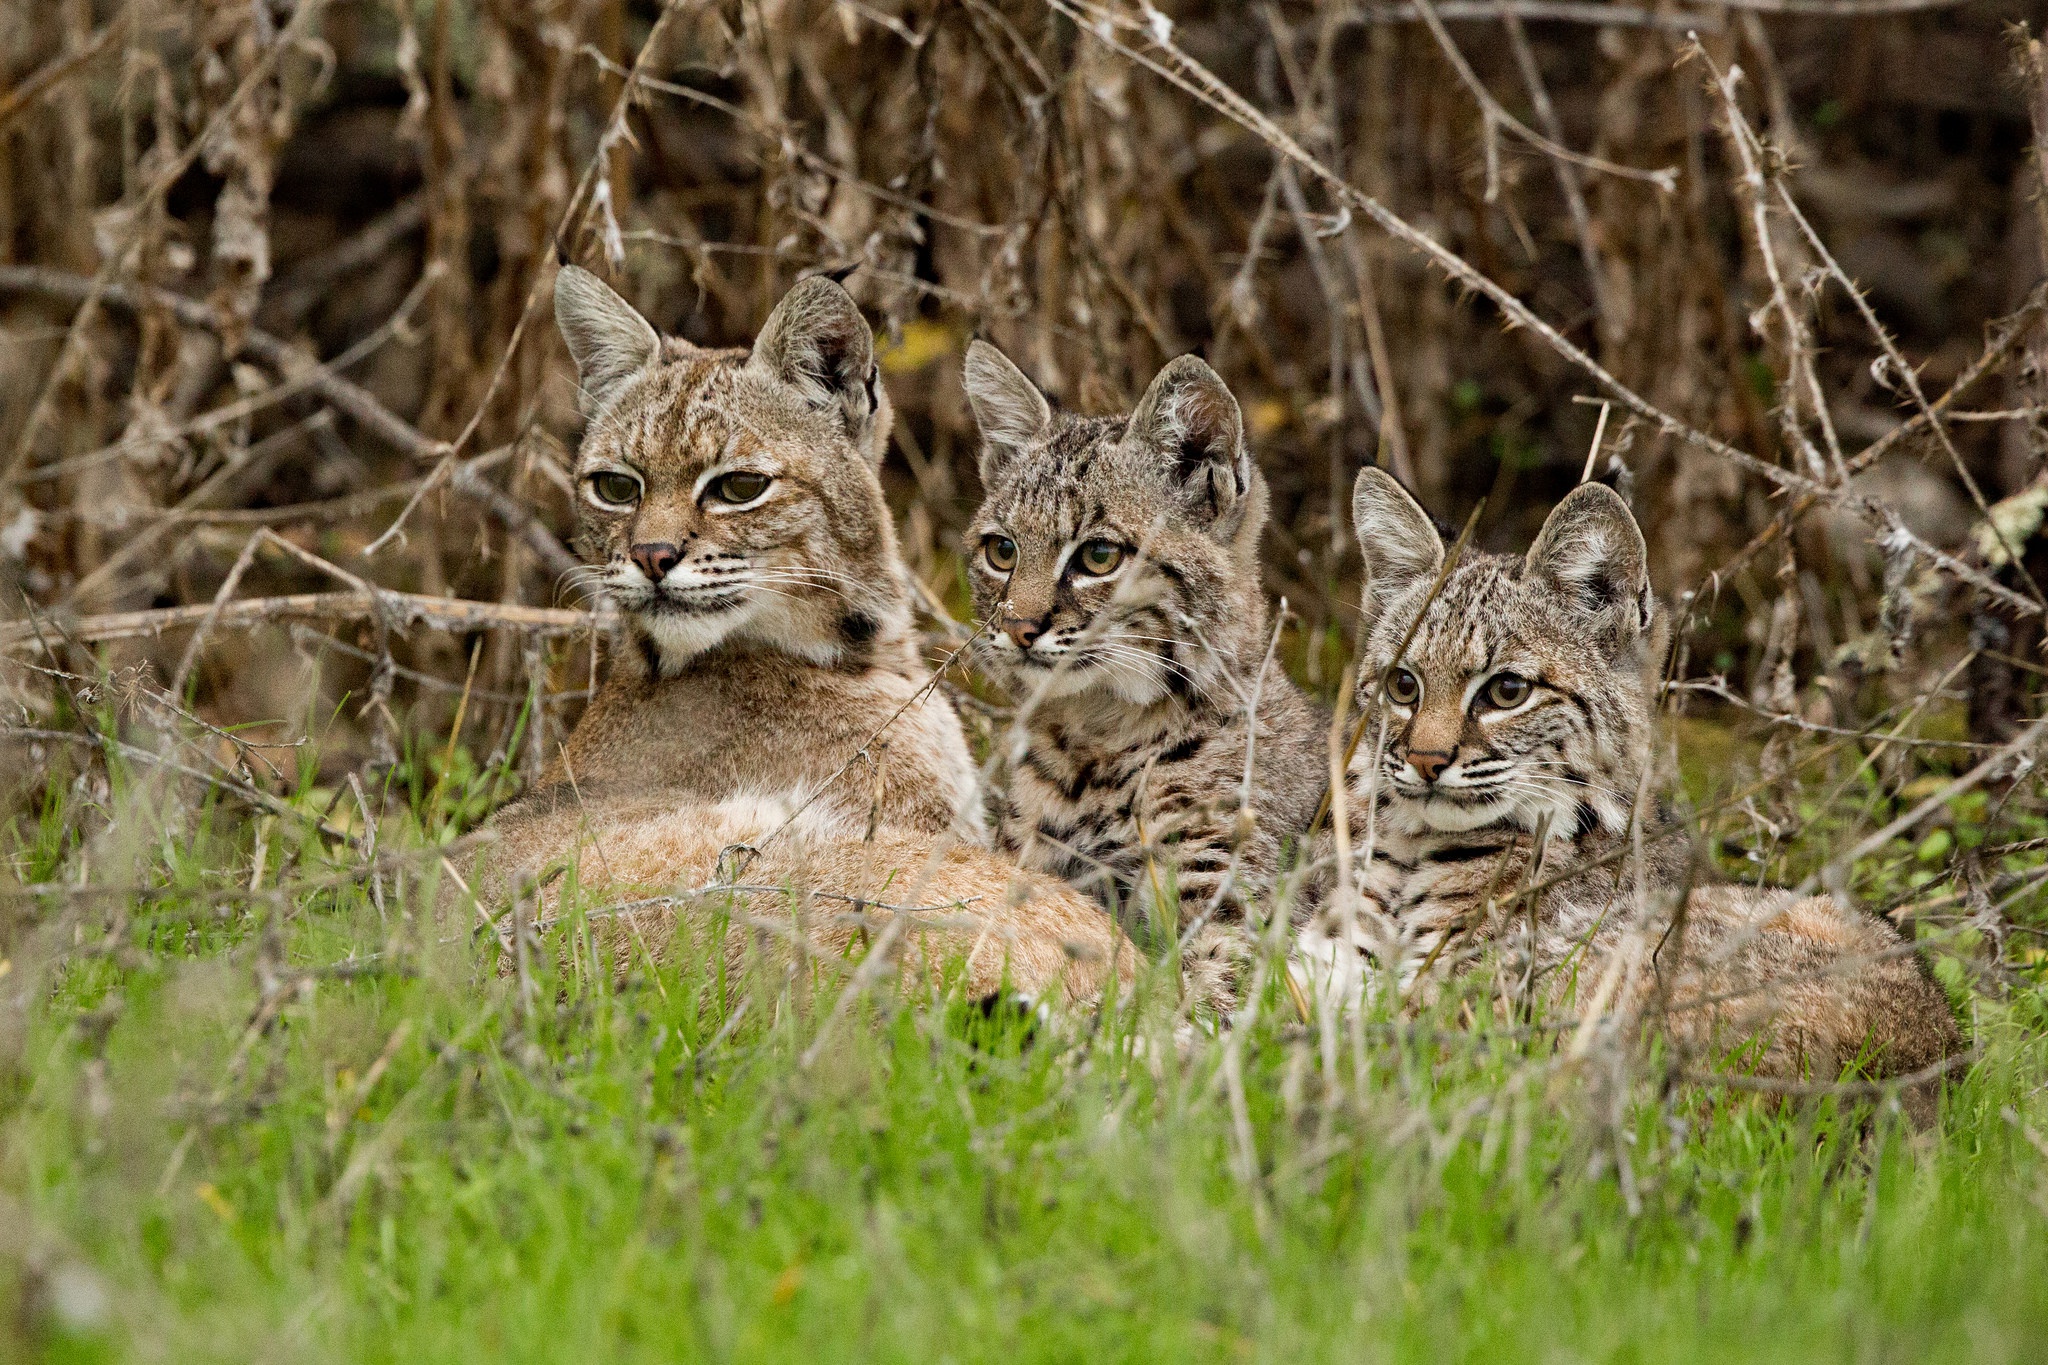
(1521, 699)
(730, 496)
(1113, 555)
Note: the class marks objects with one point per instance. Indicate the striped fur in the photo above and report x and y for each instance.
(1474, 790)
(1140, 690)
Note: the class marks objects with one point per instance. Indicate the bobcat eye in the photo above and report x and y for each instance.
(1000, 552)
(1100, 557)
(742, 485)
(1507, 691)
(614, 489)
(1403, 687)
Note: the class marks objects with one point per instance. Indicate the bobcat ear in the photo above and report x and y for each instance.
(817, 342)
(1399, 541)
(1591, 553)
(1189, 414)
(1008, 408)
(608, 340)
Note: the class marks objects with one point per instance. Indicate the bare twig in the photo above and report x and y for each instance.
(345, 396)
(439, 613)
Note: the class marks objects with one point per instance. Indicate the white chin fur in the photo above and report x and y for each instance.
(770, 620)
(1450, 818)
(682, 636)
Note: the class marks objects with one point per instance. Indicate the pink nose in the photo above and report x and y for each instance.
(1023, 633)
(656, 559)
(1430, 763)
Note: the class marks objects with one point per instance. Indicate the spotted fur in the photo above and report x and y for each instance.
(1141, 689)
(771, 692)
(1474, 789)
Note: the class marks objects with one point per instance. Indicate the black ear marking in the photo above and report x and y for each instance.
(1591, 553)
(1189, 416)
(816, 342)
(830, 361)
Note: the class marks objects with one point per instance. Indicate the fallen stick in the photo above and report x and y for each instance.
(402, 608)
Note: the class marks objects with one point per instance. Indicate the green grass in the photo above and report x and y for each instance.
(296, 1125)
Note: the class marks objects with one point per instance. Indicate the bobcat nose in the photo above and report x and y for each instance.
(1431, 762)
(1023, 633)
(655, 559)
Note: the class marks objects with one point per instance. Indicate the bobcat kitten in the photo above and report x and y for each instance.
(770, 693)
(1115, 567)
(1522, 709)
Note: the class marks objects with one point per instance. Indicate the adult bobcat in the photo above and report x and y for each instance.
(1522, 709)
(769, 696)
(1115, 560)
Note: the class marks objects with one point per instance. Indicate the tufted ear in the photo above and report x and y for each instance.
(1591, 553)
(817, 342)
(1188, 413)
(608, 340)
(1008, 408)
(1399, 541)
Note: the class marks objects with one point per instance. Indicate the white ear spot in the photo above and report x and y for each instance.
(1591, 552)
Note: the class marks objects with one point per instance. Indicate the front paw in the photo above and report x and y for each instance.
(1216, 967)
(1335, 966)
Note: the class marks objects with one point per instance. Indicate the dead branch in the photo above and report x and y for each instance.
(406, 609)
(345, 395)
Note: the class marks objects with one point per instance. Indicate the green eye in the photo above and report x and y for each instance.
(1507, 691)
(1000, 552)
(615, 489)
(1099, 557)
(1403, 687)
(742, 485)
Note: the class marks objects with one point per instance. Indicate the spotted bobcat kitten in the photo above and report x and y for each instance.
(1115, 562)
(1522, 709)
(770, 692)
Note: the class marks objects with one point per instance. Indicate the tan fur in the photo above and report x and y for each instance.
(1450, 809)
(769, 691)
(824, 894)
